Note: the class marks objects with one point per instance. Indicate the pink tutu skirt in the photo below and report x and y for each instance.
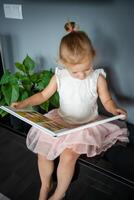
(91, 141)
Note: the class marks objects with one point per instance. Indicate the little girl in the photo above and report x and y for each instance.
(79, 86)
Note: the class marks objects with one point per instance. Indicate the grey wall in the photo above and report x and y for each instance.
(108, 23)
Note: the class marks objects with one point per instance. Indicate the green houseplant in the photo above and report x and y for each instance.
(24, 83)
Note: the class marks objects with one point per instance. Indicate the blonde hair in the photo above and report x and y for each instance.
(75, 46)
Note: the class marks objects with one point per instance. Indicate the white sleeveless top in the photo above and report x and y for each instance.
(78, 98)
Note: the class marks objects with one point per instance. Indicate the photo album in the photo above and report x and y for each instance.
(49, 126)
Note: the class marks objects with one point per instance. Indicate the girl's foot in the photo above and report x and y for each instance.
(54, 198)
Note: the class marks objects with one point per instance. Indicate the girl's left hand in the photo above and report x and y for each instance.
(119, 111)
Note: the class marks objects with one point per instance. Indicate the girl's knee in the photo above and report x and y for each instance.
(69, 156)
(43, 159)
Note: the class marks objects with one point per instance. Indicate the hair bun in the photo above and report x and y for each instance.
(70, 26)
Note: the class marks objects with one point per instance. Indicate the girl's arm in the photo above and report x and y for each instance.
(38, 98)
(106, 98)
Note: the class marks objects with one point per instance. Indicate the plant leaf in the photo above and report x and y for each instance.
(20, 66)
(23, 94)
(10, 92)
(54, 100)
(7, 92)
(6, 77)
(40, 86)
(35, 77)
(2, 102)
(26, 82)
(3, 113)
(45, 106)
(29, 64)
(19, 75)
(15, 93)
(44, 79)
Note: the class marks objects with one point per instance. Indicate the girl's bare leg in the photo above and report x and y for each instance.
(65, 173)
(46, 168)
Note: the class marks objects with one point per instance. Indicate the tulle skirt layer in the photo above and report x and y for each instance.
(91, 141)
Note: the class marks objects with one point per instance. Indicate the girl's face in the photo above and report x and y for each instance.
(82, 70)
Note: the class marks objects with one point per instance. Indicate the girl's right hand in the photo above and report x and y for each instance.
(16, 105)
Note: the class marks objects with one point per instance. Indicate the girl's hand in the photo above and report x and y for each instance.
(16, 105)
(118, 111)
